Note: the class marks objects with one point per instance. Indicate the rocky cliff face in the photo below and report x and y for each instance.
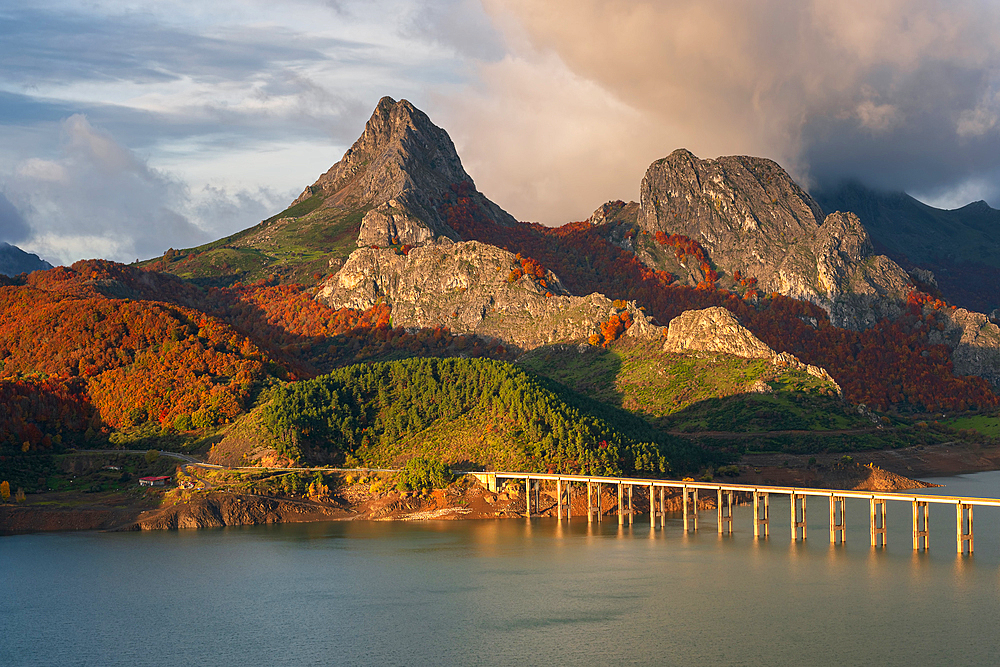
(717, 330)
(750, 216)
(400, 169)
(836, 268)
(975, 342)
(468, 288)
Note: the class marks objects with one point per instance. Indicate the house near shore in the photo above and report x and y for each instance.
(154, 481)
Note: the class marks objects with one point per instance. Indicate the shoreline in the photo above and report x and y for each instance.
(469, 500)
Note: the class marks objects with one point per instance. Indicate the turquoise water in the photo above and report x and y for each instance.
(507, 592)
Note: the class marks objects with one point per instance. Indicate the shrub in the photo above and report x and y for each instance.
(424, 473)
(183, 422)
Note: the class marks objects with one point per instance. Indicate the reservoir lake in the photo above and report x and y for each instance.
(510, 592)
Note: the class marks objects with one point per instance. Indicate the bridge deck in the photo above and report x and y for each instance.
(747, 488)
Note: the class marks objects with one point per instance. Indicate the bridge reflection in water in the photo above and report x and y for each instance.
(563, 486)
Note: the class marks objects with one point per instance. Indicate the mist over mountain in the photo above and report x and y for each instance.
(960, 246)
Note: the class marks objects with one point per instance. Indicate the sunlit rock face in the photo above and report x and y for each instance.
(468, 288)
(716, 330)
(400, 169)
(750, 216)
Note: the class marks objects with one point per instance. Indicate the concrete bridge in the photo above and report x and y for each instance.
(564, 486)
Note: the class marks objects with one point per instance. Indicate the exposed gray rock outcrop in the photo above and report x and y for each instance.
(750, 216)
(975, 342)
(467, 287)
(717, 330)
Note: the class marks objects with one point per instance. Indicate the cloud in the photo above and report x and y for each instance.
(13, 227)
(892, 92)
(98, 198)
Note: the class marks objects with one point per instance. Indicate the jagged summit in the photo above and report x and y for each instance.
(397, 138)
(401, 168)
(751, 217)
(732, 205)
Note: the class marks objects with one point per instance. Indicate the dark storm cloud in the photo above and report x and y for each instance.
(899, 93)
(13, 227)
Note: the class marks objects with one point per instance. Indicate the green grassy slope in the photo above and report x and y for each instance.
(293, 246)
(686, 392)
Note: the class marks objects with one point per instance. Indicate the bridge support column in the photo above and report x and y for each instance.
(621, 510)
(600, 508)
(761, 513)
(725, 511)
(569, 500)
(921, 525)
(631, 512)
(527, 497)
(961, 535)
(838, 503)
(559, 499)
(797, 501)
(590, 503)
(663, 509)
(652, 506)
(878, 521)
(684, 506)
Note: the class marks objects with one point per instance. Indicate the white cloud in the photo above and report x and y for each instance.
(100, 199)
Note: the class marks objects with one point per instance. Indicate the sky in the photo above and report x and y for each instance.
(129, 127)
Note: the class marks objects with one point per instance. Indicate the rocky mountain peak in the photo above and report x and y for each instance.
(734, 205)
(399, 170)
(750, 216)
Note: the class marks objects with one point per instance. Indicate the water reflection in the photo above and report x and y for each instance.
(509, 591)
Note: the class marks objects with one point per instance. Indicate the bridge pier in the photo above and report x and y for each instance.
(921, 528)
(761, 513)
(621, 513)
(684, 506)
(652, 507)
(600, 504)
(690, 510)
(590, 503)
(963, 537)
(798, 500)
(559, 499)
(838, 503)
(877, 521)
(631, 511)
(663, 509)
(527, 497)
(725, 511)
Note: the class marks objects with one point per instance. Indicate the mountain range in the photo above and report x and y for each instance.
(726, 300)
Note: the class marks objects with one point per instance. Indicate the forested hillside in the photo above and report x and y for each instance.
(169, 354)
(380, 413)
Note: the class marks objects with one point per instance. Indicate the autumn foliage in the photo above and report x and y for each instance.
(36, 413)
(890, 364)
(688, 249)
(191, 358)
(612, 329)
